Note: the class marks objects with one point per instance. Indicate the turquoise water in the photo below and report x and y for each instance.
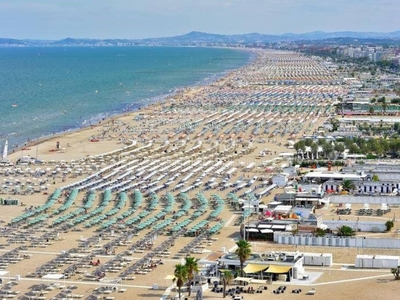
(44, 91)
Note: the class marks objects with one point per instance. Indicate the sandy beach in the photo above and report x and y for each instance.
(134, 190)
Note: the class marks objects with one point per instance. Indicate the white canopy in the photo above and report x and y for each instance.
(53, 276)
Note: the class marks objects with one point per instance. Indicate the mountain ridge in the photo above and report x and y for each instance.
(198, 37)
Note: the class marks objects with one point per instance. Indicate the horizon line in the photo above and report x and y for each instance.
(203, 32)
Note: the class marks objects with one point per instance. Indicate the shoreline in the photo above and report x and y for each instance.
(99, 120)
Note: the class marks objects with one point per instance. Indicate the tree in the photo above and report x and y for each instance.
(300, 147)
(181, 275)
(243, 252)
(384, 105)
(396, 272)
(314, 150)
(345, 231)
(371, 110)
(348, 185)
(191, 268)
(375, 177)
(339, 148)
(389, 225)
(308, 142)
(319, 232)
(328, 149)
(353, 148)
(227, 278)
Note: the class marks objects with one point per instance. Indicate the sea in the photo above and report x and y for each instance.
(50, 90)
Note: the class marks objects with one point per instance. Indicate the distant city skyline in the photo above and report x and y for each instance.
(136, 19)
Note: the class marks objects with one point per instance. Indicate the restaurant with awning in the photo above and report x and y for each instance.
(272, 266)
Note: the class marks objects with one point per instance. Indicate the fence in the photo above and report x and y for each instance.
(390, 200)
(334, 241)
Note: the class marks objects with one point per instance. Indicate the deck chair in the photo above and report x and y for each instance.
(311, 292)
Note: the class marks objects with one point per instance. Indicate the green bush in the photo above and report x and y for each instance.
(389, 225)
(319, 232)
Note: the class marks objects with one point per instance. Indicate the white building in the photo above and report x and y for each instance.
(280, 180)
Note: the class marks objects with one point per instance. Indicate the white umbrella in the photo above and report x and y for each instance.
(5, 150)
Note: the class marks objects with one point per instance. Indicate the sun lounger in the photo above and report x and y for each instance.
(311, 292)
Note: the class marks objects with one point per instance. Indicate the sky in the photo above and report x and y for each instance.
(135, 19)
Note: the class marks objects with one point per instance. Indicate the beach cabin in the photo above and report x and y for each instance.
(377, 261)
(292, 171)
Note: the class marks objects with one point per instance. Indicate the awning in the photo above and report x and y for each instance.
(259, 281)
(278, 226)
(170, 277)
(278, 269)
(242, 279)
(264, 226)
(254, 268)
(266, 231)
(252, 230)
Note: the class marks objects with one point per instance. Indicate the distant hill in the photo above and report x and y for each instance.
(252, 38)
(4, 41)
(201, 38)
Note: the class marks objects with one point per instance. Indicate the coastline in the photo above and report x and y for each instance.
(106, 117)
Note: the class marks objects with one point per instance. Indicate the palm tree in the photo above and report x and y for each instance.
(181, 275)
(348, 185)
(300, 147)
(191, 268)
(345, 231)
(384, 105)
(227, 278)
(396, 273)
(314, 150)
(243, 251)
(328, 149)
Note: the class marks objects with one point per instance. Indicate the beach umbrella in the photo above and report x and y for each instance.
(5, 150)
